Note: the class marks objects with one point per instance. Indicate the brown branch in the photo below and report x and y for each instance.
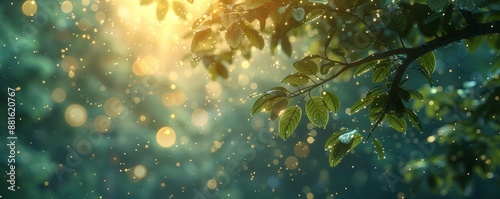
(413, 53)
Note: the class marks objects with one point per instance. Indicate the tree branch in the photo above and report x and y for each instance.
(413, 53)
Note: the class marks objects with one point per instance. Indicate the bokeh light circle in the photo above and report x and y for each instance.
(165, 137)
(75, 115)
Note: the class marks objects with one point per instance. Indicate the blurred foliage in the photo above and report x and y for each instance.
(471, 139)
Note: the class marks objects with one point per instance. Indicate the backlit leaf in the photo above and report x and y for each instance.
(161, 9)
(234, 36)
(314, 14)
(428, 62)
(360, 70)
(306, 67)
(413, 118)
(397, 123)
(198, 38)
(317, 112)
(179, 9)
(254, 37)
(296, 79)
(359, 105)
(381, 71)
(146, 2)
(339, 149)
(289, 121)
(252, 4)
(379, 149)
(332, 102)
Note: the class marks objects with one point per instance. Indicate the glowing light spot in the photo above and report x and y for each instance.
(301, 149)
(69, 63)
(176, 98)
(140, 171)
(199, 117)
(75, 115)
(291, 162)
(84, 24)
(29, 8)
(165, 137)
(58, 95)
(102, 123)
(431, 139)
(113, 107)
(66, 6)
(212, 184)
(146, 66)
(213, 89)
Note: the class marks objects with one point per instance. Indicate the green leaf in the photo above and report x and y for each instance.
(254, 37)
(306, 66)
(359, 105)
(397, 123)
(416, 95)
(278, 107)
(374, 92)
(399, 20)
(252, 4)
(217, 69)
(288, 121)
(286, 46)
(317, 112)
(339, 149)
(413, 118)
(266, 103)
(329, 37)
(379, 149)
(332, 102)
(332, 140)
(234, 36)
(473, 43)
(161, 9)
(325, 68)
(437, 5)
(146, 2)
(338, 51)
(199, 37)
(381, 71)
(404, 94)
(428, 62)
(179, 10)
(314, 14)
(426, 74)
(360, 70)
(296, 79)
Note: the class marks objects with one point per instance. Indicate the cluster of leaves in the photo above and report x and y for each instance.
(162, 8)
(471, 140)
(365, 35)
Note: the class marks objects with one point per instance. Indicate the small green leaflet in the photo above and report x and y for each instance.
(332, 102)
(289, 121)
(379, 149)
(296, 79)
(413, 118)
(360, 70)
(340, 149)
(361, 104)
(317, 112)
(396, 123)
(254, 37)
(428, 62)
(266, 103)
(380, 72)
(306, 67)
(314, 14)
(416, 95)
